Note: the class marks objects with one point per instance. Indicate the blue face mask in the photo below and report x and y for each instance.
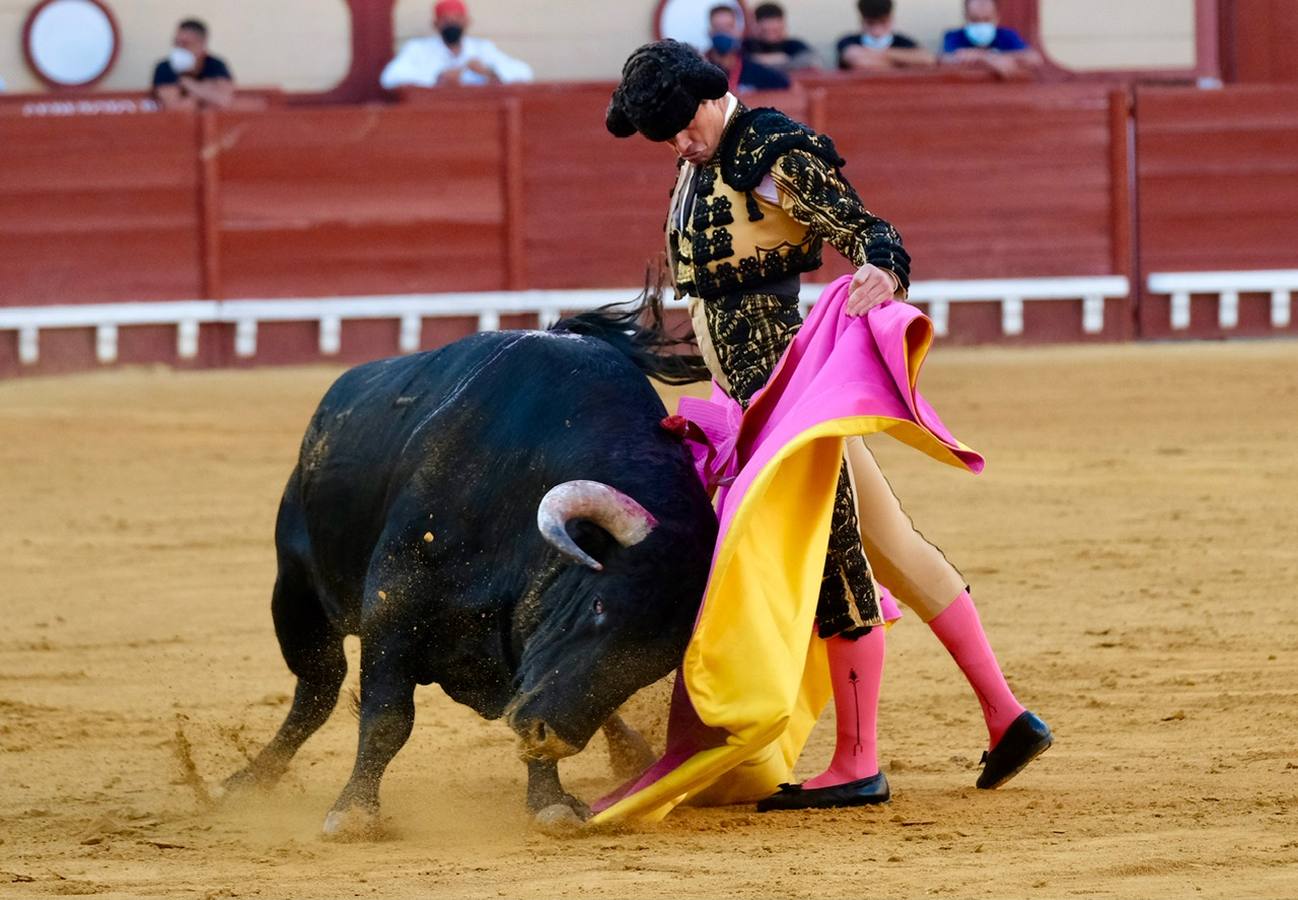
(876, 43)
(980, 34)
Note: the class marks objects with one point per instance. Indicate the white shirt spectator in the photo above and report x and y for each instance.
(422, 61)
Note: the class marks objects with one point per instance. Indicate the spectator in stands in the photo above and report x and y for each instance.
(876, 46)
(983, 43)
(722, 19)
(745, 75)
(771, 45)
(451, 57)
(192, 78)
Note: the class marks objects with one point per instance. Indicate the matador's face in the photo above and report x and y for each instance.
(699, 140)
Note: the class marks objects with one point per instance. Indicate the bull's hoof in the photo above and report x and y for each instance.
(245, 781)
(355, 823)
(559, 820)
(579, 809)
(564, 816)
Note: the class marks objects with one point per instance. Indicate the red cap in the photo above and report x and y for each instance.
(444, 8)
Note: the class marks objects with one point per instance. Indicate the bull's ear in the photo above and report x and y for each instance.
(593, 539)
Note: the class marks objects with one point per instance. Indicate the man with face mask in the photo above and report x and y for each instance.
(983, 43)
(724, 19)
(744, 74)
(190, 77)
(877, 47)
(451, 57)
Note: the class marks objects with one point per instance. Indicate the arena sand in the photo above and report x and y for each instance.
(1132, 547)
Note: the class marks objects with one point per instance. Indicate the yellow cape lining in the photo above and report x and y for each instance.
(753, 666)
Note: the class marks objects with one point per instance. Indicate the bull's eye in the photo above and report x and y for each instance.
(598, 607)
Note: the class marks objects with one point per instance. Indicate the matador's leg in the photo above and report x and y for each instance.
(849, 601)
(853, 777)
(921, 577)
(847, 616)
(908, 565)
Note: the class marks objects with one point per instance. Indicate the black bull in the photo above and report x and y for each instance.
(505, 517)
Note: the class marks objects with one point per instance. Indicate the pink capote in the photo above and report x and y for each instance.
(837, 368)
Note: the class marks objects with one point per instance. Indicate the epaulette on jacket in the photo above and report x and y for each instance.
(758, 137)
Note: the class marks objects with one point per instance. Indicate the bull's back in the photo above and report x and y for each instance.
(456, 423)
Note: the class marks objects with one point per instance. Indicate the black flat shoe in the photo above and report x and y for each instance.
(1026, 739)
(861, 792)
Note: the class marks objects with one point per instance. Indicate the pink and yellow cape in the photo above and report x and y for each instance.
(754, 679)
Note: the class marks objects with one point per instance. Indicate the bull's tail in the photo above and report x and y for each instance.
(638, 330)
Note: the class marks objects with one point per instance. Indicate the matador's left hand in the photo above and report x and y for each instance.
(870, 287)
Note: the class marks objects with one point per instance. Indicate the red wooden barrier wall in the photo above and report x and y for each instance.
(359, 200)
(522, 188)
(1011, 181)
(593, 206)
(94, 210)
(1258, 39)
(590, 207)
(1218, 190)
(949, 166)
(984, 184)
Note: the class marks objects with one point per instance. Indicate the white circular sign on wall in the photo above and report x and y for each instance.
(687, 20)
(71, 43)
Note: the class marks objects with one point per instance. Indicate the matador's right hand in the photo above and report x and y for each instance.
(871, 286)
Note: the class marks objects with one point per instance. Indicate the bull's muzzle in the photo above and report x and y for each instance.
(539, 741)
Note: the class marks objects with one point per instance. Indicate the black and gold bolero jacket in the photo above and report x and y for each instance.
(733, 239)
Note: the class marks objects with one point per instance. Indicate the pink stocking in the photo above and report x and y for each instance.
(961, 632)
(856, 673)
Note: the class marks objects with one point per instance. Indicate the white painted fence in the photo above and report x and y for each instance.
(1014, 292)
(410, 310)
(1279, 283)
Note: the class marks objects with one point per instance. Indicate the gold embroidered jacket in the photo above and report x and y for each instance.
(733, 239)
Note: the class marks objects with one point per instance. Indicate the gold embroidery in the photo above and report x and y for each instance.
(745, 336)
(730, 244)
(816, 194)
(731, 239)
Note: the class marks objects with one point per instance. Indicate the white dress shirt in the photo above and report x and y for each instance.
(422, 60)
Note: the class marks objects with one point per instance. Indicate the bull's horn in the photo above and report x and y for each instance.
(626, 520)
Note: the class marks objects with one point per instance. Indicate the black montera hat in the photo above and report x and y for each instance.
(663, 84)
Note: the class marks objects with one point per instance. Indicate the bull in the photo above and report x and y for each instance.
(505, 517)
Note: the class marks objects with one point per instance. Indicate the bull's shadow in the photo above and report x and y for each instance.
(505, 517)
